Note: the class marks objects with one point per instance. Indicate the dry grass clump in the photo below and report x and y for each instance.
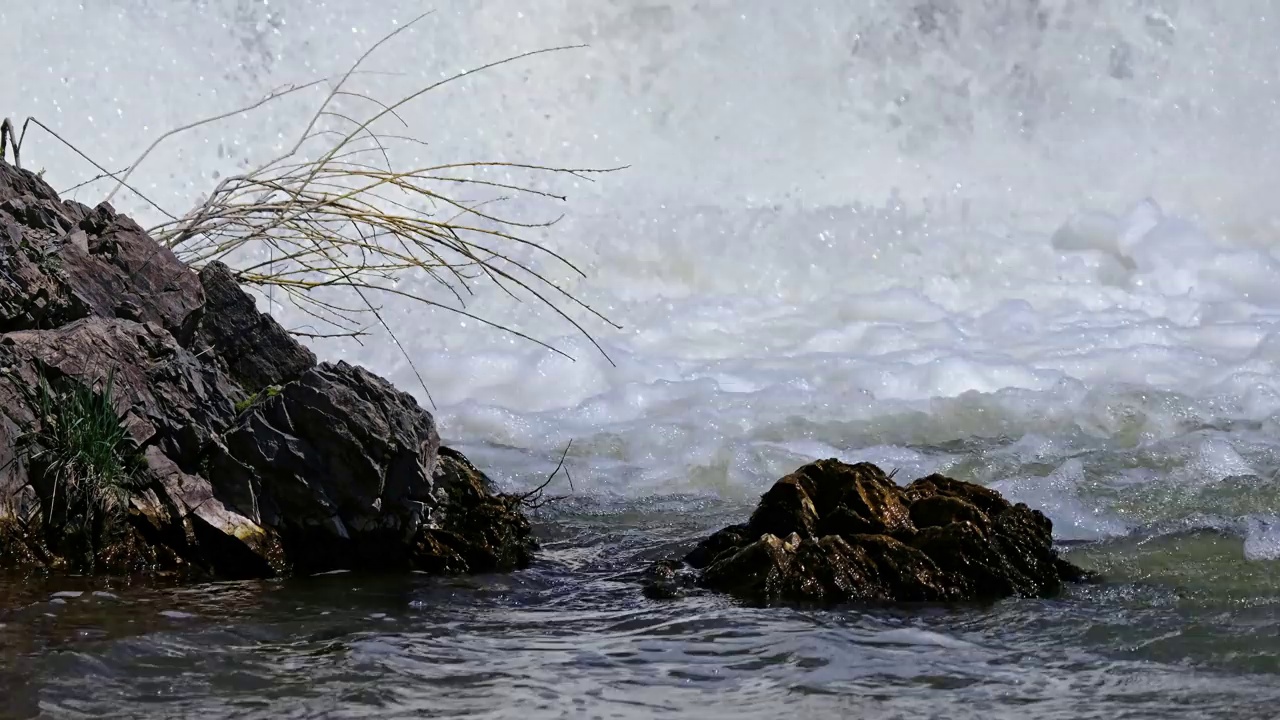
(333, 221)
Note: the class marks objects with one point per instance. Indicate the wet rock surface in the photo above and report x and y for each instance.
(252, 347)
(245, 457)
(492, 534)
(832, 532)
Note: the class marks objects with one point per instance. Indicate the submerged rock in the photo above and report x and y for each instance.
(834, 532)
(238, 455)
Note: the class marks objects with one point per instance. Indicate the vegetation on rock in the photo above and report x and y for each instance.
(336, 220)
(84, 467)
(221, 447)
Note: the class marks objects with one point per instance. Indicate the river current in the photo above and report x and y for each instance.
(1026, 243)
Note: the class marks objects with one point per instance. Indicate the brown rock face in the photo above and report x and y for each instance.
(246, 458)
(832, 532)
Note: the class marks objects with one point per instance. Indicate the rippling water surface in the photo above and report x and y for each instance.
(1174, 634)
(1027, 243)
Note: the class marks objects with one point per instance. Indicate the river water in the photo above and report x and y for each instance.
(1027, 243)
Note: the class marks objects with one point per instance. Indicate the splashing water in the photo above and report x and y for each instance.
(1028, 243)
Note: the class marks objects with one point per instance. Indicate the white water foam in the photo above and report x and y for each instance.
(905, 232)
(1262, 538)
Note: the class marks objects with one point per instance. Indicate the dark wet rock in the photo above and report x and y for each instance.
(471, 529)
(786, 508)
(244, 457)
(254, 348)
(32, 293)
(350, 471)
(668, 579)
(834, 532)
(170, 403)
(340, 449)
(730, 538)
(61, 261)
(120, 272)
(165, 394)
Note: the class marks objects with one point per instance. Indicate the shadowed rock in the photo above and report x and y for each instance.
(833, 532)
(349, 470)
(245, 457)
(473, 530)
(252, 347)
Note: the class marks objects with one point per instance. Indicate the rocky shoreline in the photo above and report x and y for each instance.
(152, 421)
(240, 455)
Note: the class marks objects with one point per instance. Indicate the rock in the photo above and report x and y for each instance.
(730, 538)
(182, 511)
(665, 580)
(119, 271)
(166, 395)
(240, 455)
(833, 532)
(761, 568)
(61, 262)
(471, 529)
(170, 403)
(32, 294)
(255, 350)
(343, 466)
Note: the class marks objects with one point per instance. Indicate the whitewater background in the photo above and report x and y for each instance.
(1028, 243)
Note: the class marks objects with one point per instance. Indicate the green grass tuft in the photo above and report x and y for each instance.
(246, 403)
(84, 465)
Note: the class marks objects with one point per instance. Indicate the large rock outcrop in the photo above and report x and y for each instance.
(832, 532)
(246, 457)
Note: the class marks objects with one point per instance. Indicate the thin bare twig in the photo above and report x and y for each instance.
(91, 161)
(348, 221)
(536, 498)
(273, 95)
(339, 223)
(6, 134)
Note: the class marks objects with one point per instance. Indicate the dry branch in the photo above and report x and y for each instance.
(348, 220)
(345, 221)
(537, 497)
